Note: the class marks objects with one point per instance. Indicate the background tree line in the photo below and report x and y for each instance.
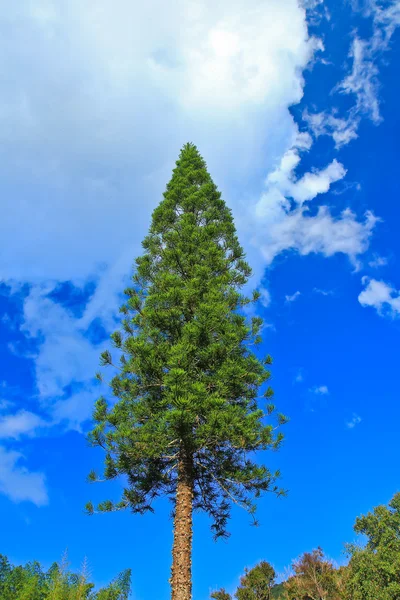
(372, 572)
(31, 582)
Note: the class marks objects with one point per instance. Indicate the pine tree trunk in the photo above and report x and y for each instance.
(181, 580)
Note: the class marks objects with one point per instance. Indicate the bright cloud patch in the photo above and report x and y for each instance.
(98, 104)
(20, 423)
(286, 224)
(381, 296)
(320, 390)
(17, 482)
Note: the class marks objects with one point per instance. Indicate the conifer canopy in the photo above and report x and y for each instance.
(188, 374)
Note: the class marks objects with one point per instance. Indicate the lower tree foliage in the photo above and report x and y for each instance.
(256, 584)
(315, 578)
(372, 573)
(374, 570)
(31, 582)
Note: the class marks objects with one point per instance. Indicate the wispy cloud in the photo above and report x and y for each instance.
(342, 129)
(293, 297)
(355, 420)
(23, 422)
(323, 292)
(299, 377)
(265, 296)
(362, 82)
(320, 390)
(378, 261)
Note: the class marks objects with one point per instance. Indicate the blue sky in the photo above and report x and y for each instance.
(295, 109)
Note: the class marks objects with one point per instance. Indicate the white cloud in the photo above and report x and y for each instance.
(378, 261)
(101, 96)
(311, 4)
(322, 233)
(323, 292)
(380, 295)
(320, 390)
(282, 181)
(283, 216)
(18, 483)
(75, 409)
(355, 420)
(20, 423)
(386, 16)
(65, 354)
(342, 130)
(265, 296)
(299, 377)
(293, 297)
(362, 82)
(288, 227)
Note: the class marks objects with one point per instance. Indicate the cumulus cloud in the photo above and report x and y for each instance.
(284, 222)
(381, 296)
(283, 182)
(102, 95)
(321, 233)
(17, 482)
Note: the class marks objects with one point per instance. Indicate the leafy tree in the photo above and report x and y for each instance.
(256, 584)
(277, 592)
(315, 578)
(119, 589)
(185, 421)
(221, 595)
(374, 570)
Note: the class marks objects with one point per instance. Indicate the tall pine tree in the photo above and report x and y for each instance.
(186, 421)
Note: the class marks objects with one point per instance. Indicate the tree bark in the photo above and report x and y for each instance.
(181, 580)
